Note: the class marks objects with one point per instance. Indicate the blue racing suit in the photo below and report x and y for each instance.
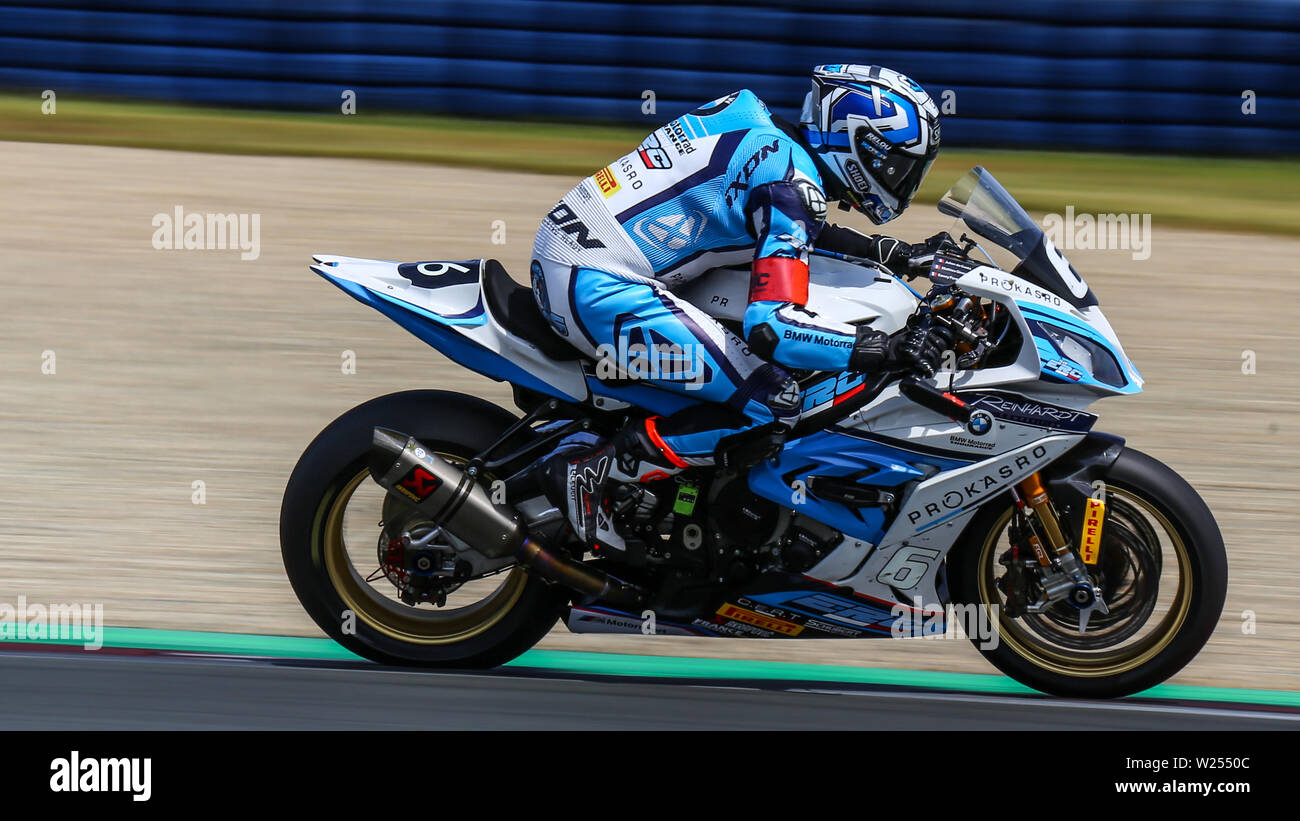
(725, 184)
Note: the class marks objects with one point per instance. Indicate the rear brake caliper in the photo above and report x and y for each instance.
(419, 566)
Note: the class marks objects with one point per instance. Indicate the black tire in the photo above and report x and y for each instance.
(448, 423)
(1134, 475)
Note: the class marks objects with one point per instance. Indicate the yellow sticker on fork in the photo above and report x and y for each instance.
(1094, 515)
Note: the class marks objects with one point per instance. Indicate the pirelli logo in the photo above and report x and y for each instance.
(1094, 515)
(731, 611)
(607, 183)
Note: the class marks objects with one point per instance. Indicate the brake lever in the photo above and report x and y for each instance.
(941, 402)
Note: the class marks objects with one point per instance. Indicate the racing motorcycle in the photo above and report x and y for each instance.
(413, 533)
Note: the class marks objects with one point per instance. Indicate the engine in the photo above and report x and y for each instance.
(723, 534)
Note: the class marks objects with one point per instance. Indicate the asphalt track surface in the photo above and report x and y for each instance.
(56, 691)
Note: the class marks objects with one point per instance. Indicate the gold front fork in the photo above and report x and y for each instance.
(1035, 495)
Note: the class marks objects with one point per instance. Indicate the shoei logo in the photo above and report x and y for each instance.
(856, 176)
(672, 232)
(544, 301)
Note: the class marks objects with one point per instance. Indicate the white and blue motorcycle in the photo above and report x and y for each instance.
(413, 532)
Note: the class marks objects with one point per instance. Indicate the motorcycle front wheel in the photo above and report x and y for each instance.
(1163, 573)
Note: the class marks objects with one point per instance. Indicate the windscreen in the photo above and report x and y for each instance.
(1014, 241)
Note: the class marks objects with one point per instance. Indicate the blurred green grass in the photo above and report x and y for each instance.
(1248, 195)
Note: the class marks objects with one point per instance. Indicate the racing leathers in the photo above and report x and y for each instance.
(728, 183)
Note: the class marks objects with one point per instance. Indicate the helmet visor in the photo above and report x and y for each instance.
(899, 172)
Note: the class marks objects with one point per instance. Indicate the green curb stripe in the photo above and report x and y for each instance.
(623, 664)
(185, 641)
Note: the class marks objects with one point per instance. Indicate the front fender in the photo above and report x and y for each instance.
(1071, 479)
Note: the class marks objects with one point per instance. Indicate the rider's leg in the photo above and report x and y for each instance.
(603, 313)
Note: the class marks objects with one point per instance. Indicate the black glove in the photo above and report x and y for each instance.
(893, 253)
(941, 241)
(919, 347)
(922, 256)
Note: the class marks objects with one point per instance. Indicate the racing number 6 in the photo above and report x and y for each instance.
(907, 567)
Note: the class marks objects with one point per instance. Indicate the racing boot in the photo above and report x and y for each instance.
(575, 478)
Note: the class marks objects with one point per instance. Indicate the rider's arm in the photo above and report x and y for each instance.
(777, 324)
(890, 252)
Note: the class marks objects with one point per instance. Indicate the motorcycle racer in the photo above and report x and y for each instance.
(728, 183)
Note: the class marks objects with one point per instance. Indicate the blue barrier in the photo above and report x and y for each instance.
(1113, 74)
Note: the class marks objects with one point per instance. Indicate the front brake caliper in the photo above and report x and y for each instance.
(1070, 578)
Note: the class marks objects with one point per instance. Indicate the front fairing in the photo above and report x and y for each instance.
(1074, 341)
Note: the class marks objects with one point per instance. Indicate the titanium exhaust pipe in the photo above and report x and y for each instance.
(577, 576)
(455, 501)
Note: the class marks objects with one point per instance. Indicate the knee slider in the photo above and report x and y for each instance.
(762, 340)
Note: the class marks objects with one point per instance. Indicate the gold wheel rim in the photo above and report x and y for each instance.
(1098, 665)
(393, 619)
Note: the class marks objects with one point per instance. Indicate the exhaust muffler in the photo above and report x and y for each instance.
(455, 501)
(445, 493)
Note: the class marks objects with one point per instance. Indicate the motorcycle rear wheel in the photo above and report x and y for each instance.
(502, 615)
